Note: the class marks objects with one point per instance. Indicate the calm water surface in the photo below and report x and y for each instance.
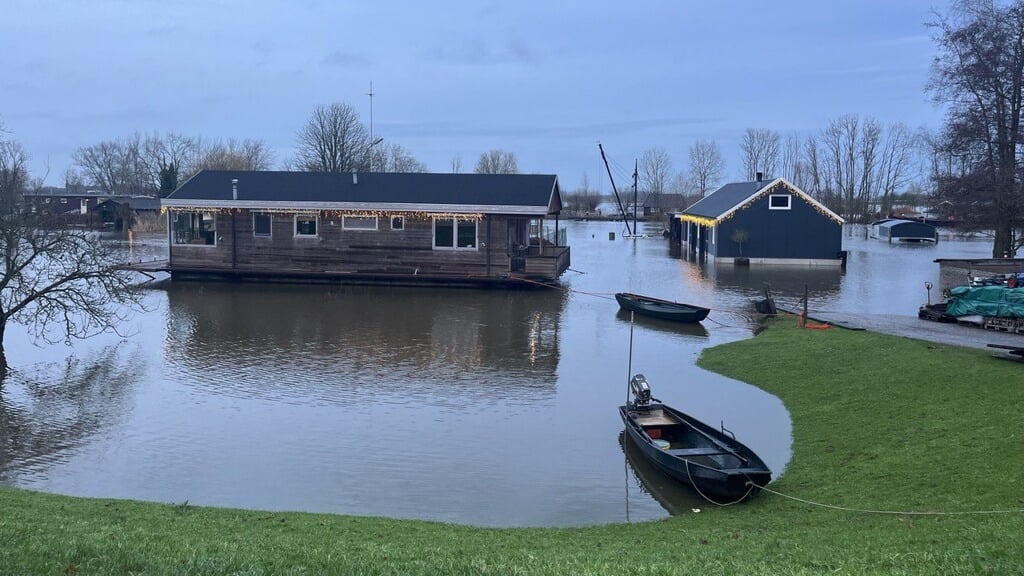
(484, 407)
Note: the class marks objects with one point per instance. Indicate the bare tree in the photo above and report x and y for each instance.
(13, 175)
(706, 166)
(584, 199)
(655, 172)
(760, 148)
(497, 162)
(395, 158)
(116, 166)
(334, 139)
(850, 154)
(456, 163)
(55, 280)
(247, 154)
(897, 166)
(789, 159)
(979, 75)
(168, 158)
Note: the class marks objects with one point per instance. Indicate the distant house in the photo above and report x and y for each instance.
(771, 222)
(367, 227)
(61, 201)
(90, 208)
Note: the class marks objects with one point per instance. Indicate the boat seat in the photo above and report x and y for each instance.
(705, 451)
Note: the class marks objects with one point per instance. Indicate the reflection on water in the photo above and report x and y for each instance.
(487, 407)
(695, 332)
(675, 497)
(349, 344)
(54, 409)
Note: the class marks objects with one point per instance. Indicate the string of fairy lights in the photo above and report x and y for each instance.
(779, 186)
(409, 215)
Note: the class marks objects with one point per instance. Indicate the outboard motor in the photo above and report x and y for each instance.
(641, 391)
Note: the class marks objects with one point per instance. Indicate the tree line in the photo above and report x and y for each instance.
(333, 139)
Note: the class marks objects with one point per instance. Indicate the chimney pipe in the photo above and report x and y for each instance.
(355, 178)
(234, 188)
(760, 176)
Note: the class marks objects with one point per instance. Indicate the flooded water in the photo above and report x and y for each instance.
(483, 407)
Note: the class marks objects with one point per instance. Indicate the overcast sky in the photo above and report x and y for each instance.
(544, 80)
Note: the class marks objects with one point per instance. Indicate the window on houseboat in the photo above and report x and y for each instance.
(261, 224)
(358, 222)
(779, 201)
(454, 234)
(195, 228)
(398, 222)
(305, 225)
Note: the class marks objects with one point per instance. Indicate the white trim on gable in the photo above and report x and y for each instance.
(793, 189)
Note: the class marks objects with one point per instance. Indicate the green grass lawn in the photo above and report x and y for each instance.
(879, 423)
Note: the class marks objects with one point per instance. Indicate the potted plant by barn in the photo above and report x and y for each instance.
(740, 237)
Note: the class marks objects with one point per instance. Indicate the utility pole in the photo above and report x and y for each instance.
(370, 148)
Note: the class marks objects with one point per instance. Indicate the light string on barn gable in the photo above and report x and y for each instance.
(712, 222)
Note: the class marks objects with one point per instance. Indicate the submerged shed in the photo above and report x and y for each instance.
(899, 230)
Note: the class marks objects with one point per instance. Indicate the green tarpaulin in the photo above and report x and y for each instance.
(992, 301)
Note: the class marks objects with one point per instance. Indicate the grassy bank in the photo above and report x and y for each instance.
(879, 423)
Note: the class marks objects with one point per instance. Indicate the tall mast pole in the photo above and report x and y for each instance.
(371, 95)
(636, 166)
(625, 217)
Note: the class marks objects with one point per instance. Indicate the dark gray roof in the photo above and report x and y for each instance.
(721, 201)
(535, 193)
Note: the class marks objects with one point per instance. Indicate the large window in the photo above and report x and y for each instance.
(358, 222)
(454, 234)
(195, 228)
(261, 224)
(305, 225)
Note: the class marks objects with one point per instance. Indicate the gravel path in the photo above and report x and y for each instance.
(914, 327)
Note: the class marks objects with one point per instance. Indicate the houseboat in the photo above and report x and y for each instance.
(393, 228)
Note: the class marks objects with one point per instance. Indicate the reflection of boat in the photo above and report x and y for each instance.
(720, 467)
(676, 498)
(658, 308)
(695, 329)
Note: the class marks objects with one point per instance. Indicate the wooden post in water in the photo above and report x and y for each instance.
(802, 321)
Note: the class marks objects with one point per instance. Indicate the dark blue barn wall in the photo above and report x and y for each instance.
(802, 232)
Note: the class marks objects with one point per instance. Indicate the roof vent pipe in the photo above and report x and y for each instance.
(234, 188)
(760, 176)
(355, 178)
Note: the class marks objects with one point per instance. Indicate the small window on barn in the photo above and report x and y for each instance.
(398, 222)
(453, 234)
(63, 200)
(358, 222)
(305, 226)
(779, 201)
(261, 224)
(197, 228)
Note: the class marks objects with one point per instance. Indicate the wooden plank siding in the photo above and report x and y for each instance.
(384, 252)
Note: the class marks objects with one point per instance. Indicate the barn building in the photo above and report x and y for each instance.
(764, 222)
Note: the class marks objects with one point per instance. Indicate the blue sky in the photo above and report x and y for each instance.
(544, 80)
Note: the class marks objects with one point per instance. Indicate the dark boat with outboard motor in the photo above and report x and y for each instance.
(714, 462)
(658, 308)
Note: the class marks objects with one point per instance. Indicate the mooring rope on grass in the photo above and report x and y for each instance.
(889, 512)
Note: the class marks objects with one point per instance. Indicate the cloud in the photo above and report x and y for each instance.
(339, 59)
(477, 52)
